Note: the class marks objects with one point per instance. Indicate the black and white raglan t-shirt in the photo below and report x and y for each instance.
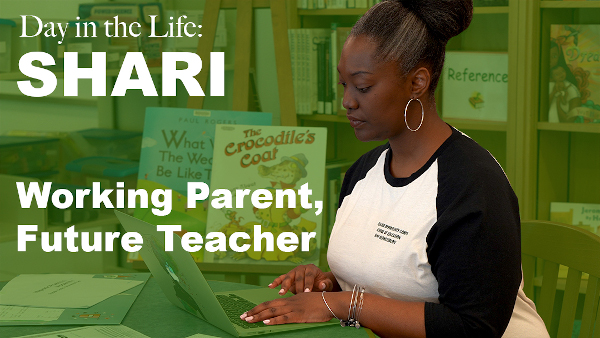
(448, 235)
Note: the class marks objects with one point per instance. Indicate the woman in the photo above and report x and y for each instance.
(564, 95)
(428, 223)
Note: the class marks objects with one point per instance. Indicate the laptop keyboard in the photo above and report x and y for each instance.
(234, 306)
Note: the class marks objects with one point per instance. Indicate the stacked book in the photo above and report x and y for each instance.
(335, 4)
(315, 53)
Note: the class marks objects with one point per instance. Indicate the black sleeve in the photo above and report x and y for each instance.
(475, 253)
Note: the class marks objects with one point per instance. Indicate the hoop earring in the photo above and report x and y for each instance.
(422, 115)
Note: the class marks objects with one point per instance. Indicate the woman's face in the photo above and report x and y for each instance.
(374, 93)
(559, 74)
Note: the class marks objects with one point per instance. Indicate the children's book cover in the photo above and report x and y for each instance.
(271, 158)
(583, 215)
(475, 86)
(574, 74)
(177, 148)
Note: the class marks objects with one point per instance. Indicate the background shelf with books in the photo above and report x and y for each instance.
(18, 76)
(488, 33)
(361, 11)
(342, 144)
(565, 156)
(475, 105)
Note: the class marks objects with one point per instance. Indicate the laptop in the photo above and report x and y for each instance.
(184, 285)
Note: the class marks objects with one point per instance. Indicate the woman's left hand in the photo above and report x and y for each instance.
(305, 307)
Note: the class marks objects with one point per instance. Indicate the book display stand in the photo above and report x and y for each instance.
(242, 96)
(244, 53)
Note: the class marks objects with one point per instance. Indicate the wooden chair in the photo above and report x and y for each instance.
(546, 246)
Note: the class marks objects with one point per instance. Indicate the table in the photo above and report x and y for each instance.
(153, 315)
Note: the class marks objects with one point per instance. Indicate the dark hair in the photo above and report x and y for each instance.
(414, 32)
(563, 63)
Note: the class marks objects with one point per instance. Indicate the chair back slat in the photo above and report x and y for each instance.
(528, 264)
(569, 304)
(548, 292)
(597, 324)
(590, 306)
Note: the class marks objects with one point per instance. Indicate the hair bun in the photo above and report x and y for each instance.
(444, 18)
(411, 5)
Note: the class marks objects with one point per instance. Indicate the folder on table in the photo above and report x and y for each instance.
(109, 311)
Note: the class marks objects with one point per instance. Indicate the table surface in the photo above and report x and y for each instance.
(153, 315)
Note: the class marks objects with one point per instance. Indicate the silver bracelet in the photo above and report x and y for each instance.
(323, 295)
(350, 314)
(360, 305)
(353, 314)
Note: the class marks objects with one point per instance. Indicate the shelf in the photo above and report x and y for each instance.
(324, 118)
(491, 10)
(570, 4)
(105, 219)
(16, 76)
(476, 125)
(457, 123)
(572, 127)
(361, 11)
(332, 12)
(13, 76)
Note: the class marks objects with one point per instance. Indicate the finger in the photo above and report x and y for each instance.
(288, 283)
(309, 278)
(277, 281)
(300, 280)
(260, 307)
(324, 284)
(271, 311)
(283, 319)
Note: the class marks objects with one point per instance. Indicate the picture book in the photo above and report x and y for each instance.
(475, 86)
(270, 158)
(574, 74)
(583, 215)
(177, 147)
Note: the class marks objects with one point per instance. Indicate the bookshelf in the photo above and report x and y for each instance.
(545, 162)
(571, 127)
(569, 4)
(567, 153)
(492, 30)
(489, 32)
(559, 159)
(361, 11)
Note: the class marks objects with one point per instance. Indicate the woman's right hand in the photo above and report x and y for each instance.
(305, 278)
